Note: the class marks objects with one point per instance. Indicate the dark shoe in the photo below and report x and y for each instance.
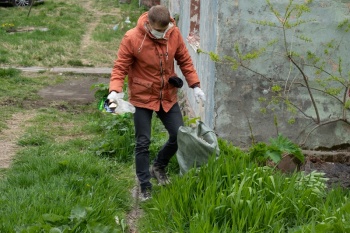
(160, 175)
(145, 195)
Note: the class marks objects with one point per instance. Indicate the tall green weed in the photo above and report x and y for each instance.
(234, 194)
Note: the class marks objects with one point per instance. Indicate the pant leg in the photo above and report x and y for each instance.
(172, 120)
(142, 122)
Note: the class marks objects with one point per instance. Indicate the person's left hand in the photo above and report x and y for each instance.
(199, 94)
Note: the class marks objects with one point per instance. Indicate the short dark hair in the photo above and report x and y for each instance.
(160, 15)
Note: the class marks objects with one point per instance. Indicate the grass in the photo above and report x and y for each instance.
(44, 48)
(63, 43)
(74, 169)
(234, 194)
(58, 177)
(60, 182)
(50, 181)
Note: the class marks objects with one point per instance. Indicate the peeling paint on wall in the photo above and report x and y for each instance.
(194, 38)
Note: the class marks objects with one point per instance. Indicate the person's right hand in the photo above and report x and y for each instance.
(114, 96)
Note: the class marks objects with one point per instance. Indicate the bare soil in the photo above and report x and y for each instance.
(335, 165)
(75, 91)
(10, 136)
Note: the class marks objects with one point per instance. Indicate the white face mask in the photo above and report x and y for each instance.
(156, 34)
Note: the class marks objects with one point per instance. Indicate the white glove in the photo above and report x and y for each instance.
(118, 105)
(114, 96)
(199, 94)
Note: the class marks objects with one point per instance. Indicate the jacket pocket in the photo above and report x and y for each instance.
(141, 90)
(170, 93)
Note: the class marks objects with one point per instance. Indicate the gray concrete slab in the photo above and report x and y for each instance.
(76, 70)
(83, 70)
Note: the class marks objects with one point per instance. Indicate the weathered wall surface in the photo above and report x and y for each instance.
(208, 42)
(237, 93)
(233, 108)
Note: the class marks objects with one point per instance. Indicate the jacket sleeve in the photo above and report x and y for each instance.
(122, 64)
(185, 63)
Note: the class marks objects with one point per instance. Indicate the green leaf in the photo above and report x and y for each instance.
(97, 227)
(214, 57)
(55, 230)
(333, 90)
(275, 156)
(78, 213)
(283, 144)
(291, 121)
(276, 88)
(347, 104)
(55, 219)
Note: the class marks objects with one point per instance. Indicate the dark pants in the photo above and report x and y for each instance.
(172, 120)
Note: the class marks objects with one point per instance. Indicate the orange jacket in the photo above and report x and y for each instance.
(149, 63)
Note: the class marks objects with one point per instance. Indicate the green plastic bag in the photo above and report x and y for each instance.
(195, 146)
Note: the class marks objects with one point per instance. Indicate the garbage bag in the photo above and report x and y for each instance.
(120, 107)
(195, 146)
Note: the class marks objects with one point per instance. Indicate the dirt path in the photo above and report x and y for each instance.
(96, 18)
(91, 27)
(9, 137)
(136, 212)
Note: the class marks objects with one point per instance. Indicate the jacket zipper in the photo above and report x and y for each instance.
(162, 79)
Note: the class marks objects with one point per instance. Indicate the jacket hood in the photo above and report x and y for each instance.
(143, 21)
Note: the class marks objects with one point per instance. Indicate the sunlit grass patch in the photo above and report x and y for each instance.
(63, 21)
(65, 24)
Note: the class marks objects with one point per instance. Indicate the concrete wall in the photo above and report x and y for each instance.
(233, 108)
(204, 66)
(240, 90)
